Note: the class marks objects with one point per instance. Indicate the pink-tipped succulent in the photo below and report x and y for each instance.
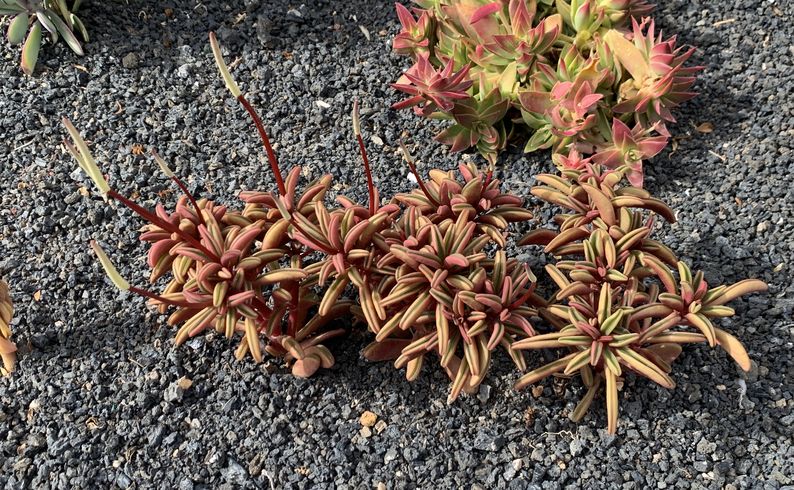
(432, 89)
(558, 73)
(237, 272)
(628, 149)
(413, 38)
(659, 80)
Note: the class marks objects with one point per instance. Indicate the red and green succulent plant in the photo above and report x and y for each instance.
(451, 289)
(8, 350)
(429, 266)
(620, 308)
(568, 74)
(428, 271)
(237, 271)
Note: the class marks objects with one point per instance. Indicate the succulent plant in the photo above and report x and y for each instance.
(562, 72)
(429, 266)
(620, 308)
(449, 287)
(234, 271)
(8, 349)
(29, 20)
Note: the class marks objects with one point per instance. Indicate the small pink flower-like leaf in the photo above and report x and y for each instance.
(485, 11)
(406, 19)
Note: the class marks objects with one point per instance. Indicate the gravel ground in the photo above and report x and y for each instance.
(96, 401)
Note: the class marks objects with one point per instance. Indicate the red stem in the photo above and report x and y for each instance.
(191, 198)
(156, 220)
(271, 155)
(368, 172)
(421, 182)
(156, 297)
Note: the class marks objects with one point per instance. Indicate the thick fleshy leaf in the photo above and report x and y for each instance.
(734, 348)
(17, 28)
(30, 51)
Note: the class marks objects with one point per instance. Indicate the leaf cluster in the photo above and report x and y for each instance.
(583, 75)
(30, 19)
(625, 303)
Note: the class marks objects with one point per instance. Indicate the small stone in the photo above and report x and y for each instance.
(173, 393)
(123, 481)
(234, 473)
(368, 419)
(701, 466)
(390, 456)
(365, 432)
(380, 426)
(487, 441)
(130, 61)
(575, 446)
(484, 393)
(185, 383)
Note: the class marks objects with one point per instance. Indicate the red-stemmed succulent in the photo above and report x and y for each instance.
(234, 271)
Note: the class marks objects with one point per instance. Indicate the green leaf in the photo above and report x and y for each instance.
(17, 28)
(30, 51)
(628, 55)
(543, 372)
(612, 401)
(78, 24)
(703, 324)
(587, 400)
(66, 33)
(579, 360)
(734, 348)
(612, 322)
(645, 367)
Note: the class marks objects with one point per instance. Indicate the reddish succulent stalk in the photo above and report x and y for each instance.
(155, 297)
(156, 220)
(370, 183)
(271, 155)
(190, 197)
(412, 167)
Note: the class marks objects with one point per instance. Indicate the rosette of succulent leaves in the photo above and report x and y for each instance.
(8, 350)
(585, 75)
(449, 287)
(29, 19)
(427, 266)
(625, 303)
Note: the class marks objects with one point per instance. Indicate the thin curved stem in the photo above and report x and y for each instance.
(271, 155)
(156, 220)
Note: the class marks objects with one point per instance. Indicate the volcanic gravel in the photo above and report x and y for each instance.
(101, 398)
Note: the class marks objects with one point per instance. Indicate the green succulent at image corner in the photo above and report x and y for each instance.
(29, 20)
(590, 75)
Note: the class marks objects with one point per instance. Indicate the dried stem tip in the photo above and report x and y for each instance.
(110, 269)
(163, 166)
(356, 119)
(227, 76)
(80, 152)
